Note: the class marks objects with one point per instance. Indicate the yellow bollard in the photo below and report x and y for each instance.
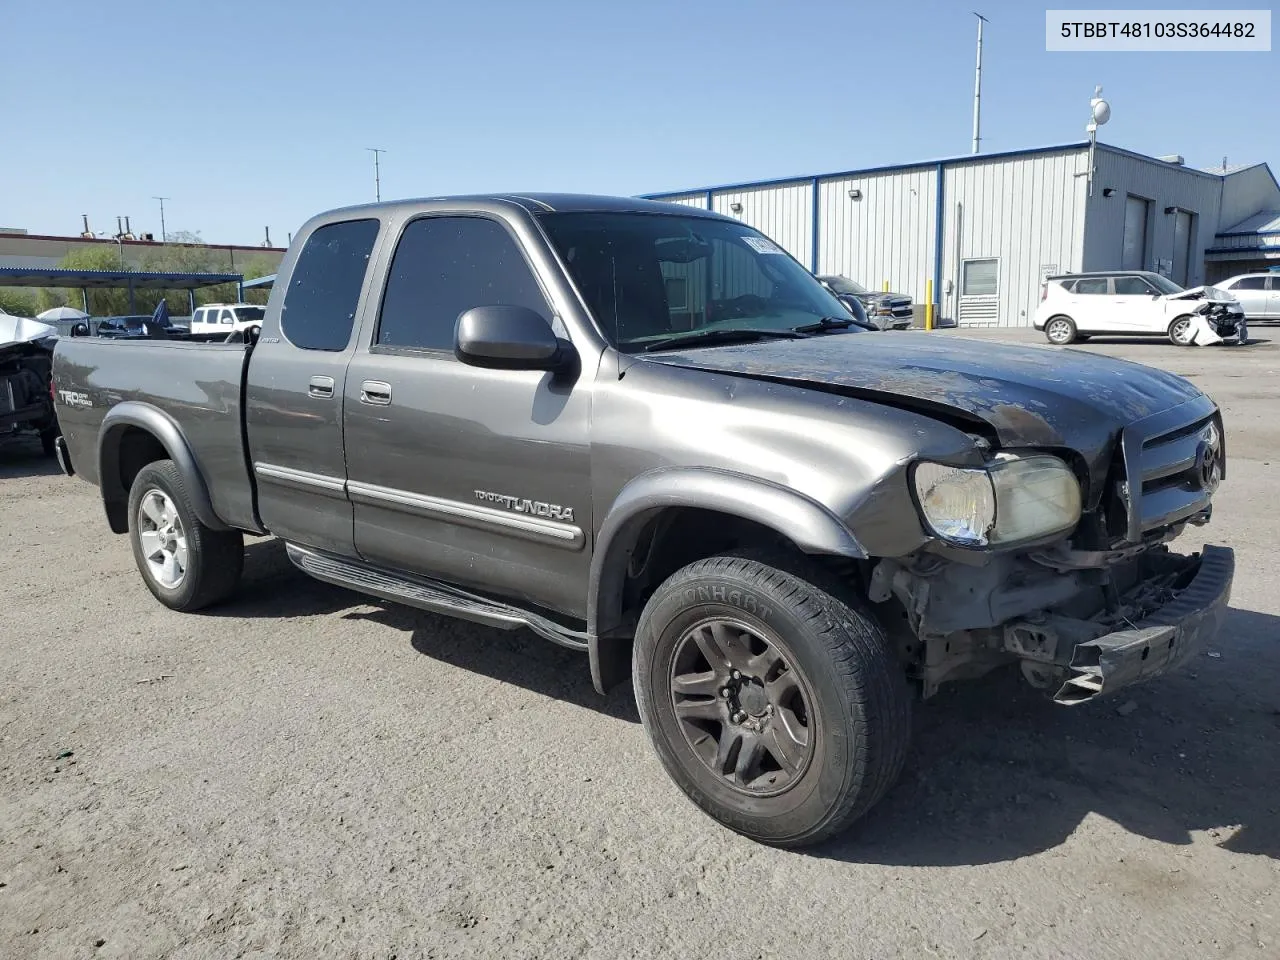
(886, 286)
(928, 304)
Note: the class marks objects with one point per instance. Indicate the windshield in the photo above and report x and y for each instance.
(845, 285)
(650, 277)
(1163, 284)
(250, 314)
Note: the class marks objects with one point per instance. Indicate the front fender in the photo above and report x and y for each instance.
(165, 430)
(803, 521)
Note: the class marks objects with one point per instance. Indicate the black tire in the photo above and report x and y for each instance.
(1060, 330)
(857, 704)
(214, 559)
(47, 440)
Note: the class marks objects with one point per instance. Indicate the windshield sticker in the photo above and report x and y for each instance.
(761, 245)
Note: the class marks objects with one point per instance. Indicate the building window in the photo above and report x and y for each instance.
(980, 278)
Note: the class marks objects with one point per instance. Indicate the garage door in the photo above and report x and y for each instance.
(1134, 254)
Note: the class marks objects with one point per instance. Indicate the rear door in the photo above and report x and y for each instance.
(475, 476)
(295, 383)
(1091, 306)
(1273, 300)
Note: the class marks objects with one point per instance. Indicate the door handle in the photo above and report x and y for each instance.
(376, 392)
(321, 388)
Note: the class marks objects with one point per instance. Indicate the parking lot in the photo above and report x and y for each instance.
(305, 773)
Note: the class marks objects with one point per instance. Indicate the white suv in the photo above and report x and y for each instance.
(1258, 294)
(225, 317)
(1120, 303)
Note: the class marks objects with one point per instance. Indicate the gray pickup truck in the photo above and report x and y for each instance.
(647, 433)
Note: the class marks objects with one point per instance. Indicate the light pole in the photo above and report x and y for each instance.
(164, 237)
(977, 87)
(1099, 113)
(377, 181)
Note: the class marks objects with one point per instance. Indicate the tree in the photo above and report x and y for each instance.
(103, 302)
(17, 301)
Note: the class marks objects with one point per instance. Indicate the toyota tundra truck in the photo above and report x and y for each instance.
(645, 432)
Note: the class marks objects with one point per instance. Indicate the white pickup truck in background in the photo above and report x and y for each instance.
(225, 317)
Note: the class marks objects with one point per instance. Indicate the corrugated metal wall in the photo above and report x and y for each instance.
(1165, 185)
(1030, 212)
(1244, 193)
(886, 235)
(783, 212)
(1027, 213)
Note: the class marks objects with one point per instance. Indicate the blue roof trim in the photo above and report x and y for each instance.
(951, 161)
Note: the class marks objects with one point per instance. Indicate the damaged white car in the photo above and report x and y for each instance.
(26, 358)
(1074, 307)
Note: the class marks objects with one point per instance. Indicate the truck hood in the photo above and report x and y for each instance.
(1026, 396)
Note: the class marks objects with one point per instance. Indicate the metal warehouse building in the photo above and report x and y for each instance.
(986, 228)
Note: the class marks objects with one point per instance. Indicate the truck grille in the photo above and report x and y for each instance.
(1172, 464)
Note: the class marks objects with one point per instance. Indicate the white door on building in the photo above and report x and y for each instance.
(979, 292)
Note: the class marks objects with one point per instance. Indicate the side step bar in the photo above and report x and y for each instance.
(430, 595)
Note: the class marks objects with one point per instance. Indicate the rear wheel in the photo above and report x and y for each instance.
(1180, 331)
(777, 708)
(184, 563)
(1060, 331)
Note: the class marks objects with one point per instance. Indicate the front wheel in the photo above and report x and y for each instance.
(777, 708)
(1060, 331)
(1180, 331)
(184, 563)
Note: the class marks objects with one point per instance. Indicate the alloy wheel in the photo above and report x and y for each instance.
(742, 707)
(163, 539)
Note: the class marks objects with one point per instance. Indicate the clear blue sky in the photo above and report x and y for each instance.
(257, 113)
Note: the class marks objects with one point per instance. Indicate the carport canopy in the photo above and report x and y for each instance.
(86, 280)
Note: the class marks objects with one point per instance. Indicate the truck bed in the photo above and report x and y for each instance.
(197, 386)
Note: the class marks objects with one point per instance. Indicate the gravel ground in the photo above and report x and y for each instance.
(303, 773)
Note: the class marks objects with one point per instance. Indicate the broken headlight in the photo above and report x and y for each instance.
(1012, 500)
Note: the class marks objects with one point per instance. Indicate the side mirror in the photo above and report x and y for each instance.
(80, 330)
(509, 338)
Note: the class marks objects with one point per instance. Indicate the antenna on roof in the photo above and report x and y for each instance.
(1224, 164)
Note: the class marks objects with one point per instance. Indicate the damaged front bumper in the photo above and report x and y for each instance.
(1161, 641)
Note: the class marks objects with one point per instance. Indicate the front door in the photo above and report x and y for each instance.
(1134, 307)
(475, 476)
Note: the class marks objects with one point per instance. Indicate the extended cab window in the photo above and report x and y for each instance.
(443, 267)
(324, 289)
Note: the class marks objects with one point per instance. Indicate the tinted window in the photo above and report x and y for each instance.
(228, 318)
(1250, 283)
(324, 288)
(443, 267)
(1091, 285)
(1132, 287)
(249, 314)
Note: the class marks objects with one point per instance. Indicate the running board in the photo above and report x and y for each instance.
(430, 595)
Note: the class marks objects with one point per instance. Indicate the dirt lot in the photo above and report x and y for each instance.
(303, 773)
